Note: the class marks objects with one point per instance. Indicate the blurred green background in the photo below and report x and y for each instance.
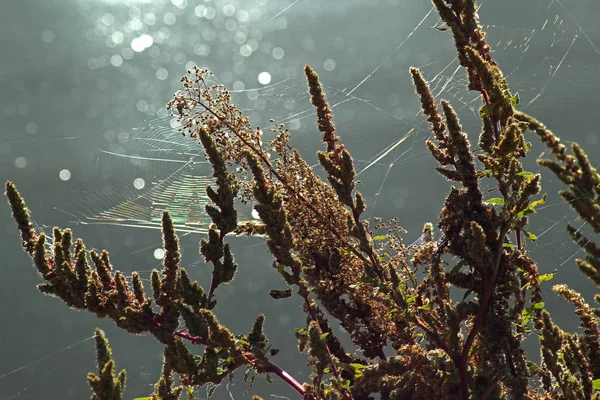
(85, 136)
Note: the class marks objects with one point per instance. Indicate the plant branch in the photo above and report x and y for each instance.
(487, 294)
(371, 260)
(264, 364)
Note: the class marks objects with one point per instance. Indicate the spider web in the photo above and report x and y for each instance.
(152, 168)
(164, 172)
(141, 172)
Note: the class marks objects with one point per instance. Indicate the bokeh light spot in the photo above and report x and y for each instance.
(64, 174)
(229, 9)
(278, 53)
(48, 36)
(264, 78)
(116, 60)
(31, 128)
(159, 254)
(246, 50)
(329, 65)
(20, 162)
(139, 183)
(162, 74)
(141, 43)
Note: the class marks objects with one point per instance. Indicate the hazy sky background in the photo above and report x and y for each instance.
(84, 84)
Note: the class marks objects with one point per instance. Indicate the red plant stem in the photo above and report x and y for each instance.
(275, 369)
(493, 117)
(334, 367)
(265, 364)
(487, 294)
(213, 282)
(462, 360)
(433, 335)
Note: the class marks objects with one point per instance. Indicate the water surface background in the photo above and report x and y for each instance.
(80, 78)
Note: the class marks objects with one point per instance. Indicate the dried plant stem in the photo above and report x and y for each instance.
(371, 260)
(266, 364)
(493, 116)
(462, 362)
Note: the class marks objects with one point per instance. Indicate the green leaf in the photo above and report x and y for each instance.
(356, 370)
(539, 202)
(402, 288)
(426, 307)
(379, 237)
(302, 333)
(525, 212)
(525, 173)
(532, 367)
(269, 379)
(526, 315)
(495, 201)
(530, 235)
(529, 311)
(485, 111)
(324, 335)
(596, 384)
(547, 277)
(509, 246)
(527, 146)
(531, 207)
(514, 100)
